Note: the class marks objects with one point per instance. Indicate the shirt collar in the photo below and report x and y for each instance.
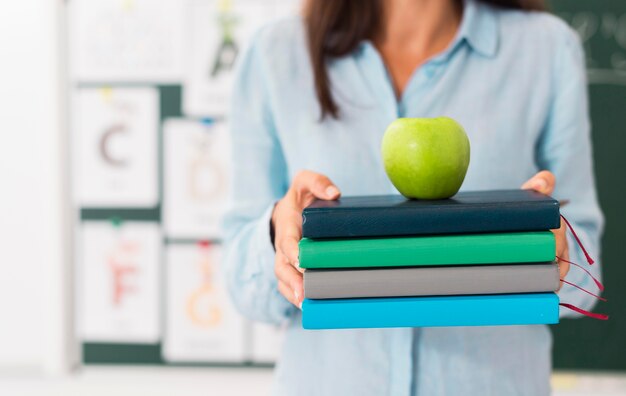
(479, 28)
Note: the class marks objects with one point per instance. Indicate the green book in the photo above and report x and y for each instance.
(517, 247)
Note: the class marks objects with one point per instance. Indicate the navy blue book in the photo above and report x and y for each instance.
(466, 212)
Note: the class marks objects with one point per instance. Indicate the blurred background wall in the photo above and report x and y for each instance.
(150, 165)
(33, 145)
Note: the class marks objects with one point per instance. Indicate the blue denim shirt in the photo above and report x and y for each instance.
(516, 81)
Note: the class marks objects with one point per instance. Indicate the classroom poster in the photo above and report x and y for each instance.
(115, 135)
(219, 30)
(119, 283)
(126, 40)
(196, 178)
(266, 343)
(201, 324)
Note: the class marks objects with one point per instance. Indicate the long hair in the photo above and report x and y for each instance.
(334, 28)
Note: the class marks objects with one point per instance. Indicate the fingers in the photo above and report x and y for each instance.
(290, 283)
(305, 188)
(288, 234)
(560, 239)
(288, 246)
(542, 182)
(287, 292)
(287, 220)
(309, 185)
(563, 268)
(562, 251)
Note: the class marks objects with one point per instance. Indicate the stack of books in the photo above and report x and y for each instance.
(477, 259)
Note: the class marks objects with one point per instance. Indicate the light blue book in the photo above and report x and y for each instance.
(431, 311)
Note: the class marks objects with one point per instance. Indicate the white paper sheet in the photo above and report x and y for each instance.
(115, 132)
(196, 178)
(118, 282)
(266, 343)
(201, 324)
(219, 30)
(126, 40)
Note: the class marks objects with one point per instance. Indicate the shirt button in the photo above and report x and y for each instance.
(401, 109)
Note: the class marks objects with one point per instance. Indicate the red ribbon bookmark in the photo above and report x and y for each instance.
(598, 283)
(589, 259)
(586, 313)
(586, 291)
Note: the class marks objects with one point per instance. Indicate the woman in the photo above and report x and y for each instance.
(312, 99)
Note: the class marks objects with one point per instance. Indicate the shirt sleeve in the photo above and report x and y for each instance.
(258, 181)
(565, 149)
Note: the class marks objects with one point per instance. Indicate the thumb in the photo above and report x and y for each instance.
(319, 186)
(542, 182)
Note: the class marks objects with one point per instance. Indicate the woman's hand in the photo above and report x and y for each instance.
(287, 222)
(544, 182)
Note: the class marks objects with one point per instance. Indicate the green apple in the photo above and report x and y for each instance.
(426, 158)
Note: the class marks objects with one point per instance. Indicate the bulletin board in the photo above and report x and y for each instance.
(150, 163)
(141, 352)
(178, 89)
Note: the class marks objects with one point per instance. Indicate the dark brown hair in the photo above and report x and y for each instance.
(334, 28)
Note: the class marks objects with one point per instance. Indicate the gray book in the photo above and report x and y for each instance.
(430, 281)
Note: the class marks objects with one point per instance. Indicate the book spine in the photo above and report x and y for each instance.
(493, 310)
(431, 281)
(414, 221)
(531, 247)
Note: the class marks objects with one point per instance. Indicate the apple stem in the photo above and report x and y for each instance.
(587, 256)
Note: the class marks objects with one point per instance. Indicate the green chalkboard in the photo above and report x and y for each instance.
(114, 354)
(586, 343)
